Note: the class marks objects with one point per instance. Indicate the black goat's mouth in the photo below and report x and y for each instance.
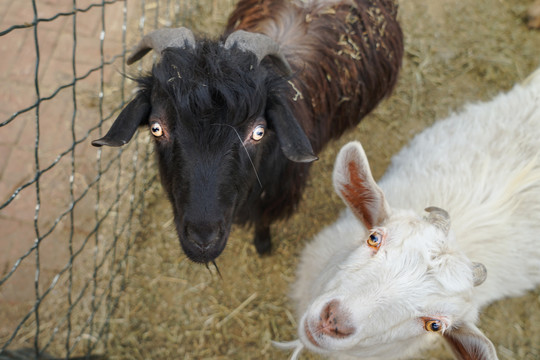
(203, 236)
(203, 253)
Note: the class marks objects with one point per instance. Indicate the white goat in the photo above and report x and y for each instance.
(383, 280)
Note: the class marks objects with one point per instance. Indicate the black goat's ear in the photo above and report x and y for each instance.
(292, 138)
(134, 115)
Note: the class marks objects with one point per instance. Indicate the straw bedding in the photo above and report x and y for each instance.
(456, 51)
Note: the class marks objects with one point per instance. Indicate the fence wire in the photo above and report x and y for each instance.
(69, 213)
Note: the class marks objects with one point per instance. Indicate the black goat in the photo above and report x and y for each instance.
(237, 121)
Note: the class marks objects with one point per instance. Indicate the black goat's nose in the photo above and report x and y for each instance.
(203, 236)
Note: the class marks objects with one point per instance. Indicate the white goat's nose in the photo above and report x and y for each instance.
(335, 321)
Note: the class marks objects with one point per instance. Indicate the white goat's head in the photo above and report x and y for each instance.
(403, 284)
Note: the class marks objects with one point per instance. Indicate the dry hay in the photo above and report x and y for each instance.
(456, 50)
(81, 260)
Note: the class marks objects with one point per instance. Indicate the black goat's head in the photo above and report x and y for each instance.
(217, 116)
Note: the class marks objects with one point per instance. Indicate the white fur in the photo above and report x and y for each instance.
(482, 166)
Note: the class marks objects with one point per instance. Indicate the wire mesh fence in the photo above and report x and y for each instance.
(69, 213)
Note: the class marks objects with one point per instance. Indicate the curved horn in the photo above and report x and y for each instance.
(439, 218)
(260, 44)
(479, 273)
(161, 39)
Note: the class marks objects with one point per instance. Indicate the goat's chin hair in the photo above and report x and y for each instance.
(289, 345)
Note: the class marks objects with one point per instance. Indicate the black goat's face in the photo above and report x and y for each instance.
(215, 124)
(207, 170)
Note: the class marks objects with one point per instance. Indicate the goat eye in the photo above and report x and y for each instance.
(375, 239)
(258, 133)
(156, 129)
(433, 325)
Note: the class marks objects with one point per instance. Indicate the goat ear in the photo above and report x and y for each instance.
(354, 183)
(467, 342)
(292, 138)
(134, 115)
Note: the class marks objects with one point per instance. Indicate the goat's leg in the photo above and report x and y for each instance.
(262, 239)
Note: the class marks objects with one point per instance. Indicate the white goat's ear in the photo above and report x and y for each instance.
(354, 183)
(467, 342)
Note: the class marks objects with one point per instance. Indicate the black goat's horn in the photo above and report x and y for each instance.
(261, 45)
(439, 218)
(160, 39)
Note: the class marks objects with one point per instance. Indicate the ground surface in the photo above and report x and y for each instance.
(456, 51)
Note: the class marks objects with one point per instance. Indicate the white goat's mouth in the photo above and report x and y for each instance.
(309, 334)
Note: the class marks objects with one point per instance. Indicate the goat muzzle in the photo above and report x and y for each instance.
(334, 321)
(202, 242)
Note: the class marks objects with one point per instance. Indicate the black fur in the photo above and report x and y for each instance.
(209, 99)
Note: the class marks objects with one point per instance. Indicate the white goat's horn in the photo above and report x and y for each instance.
(479, 273)
(261, 45)
(160, 39)
(439, 218)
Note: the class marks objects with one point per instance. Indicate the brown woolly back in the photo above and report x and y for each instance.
(346, 56)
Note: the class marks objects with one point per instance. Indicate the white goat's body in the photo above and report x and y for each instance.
(482, 165)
